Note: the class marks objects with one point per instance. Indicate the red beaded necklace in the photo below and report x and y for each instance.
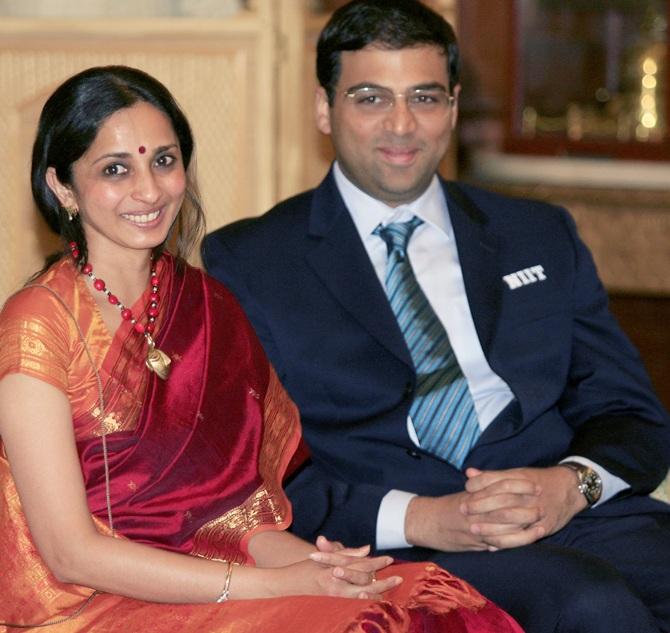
(157, 360)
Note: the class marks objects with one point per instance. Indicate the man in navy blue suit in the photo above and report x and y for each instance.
(542, 503)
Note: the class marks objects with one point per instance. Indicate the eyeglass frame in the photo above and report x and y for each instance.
(351, 93)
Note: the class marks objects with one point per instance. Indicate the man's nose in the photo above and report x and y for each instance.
(400, 119)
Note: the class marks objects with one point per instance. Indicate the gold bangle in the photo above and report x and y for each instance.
(225, 594)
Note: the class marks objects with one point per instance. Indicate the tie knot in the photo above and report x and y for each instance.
(397, 234)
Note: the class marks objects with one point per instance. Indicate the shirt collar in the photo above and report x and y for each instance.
(368, 212)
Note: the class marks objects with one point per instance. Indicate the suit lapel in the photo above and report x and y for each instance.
(339, 259)
(477, 253)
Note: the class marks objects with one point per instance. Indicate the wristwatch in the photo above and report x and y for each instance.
(590, 484)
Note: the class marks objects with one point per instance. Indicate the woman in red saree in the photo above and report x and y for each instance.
(147, 443)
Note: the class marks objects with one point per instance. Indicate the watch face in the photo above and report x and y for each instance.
(592, 486)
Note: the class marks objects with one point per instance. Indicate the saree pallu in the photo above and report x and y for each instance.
(195, 465)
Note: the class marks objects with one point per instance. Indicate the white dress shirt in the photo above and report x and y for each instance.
(434, 257)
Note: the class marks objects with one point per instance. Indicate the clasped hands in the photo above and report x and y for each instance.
(498, 509)
(351, 572)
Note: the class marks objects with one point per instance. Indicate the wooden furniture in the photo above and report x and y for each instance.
(590, 78)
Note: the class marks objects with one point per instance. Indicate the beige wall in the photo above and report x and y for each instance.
(119, 8)
(222, 71)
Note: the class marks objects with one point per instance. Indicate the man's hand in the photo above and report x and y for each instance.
(498, 510)
(438, 523)
(510, 508)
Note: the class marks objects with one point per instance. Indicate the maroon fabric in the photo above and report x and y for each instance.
(194, 453)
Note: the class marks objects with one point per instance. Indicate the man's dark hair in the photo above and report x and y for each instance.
(392, 24)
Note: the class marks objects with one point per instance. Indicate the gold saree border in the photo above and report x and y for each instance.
(268, 508)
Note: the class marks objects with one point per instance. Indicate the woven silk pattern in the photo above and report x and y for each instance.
(443, 411)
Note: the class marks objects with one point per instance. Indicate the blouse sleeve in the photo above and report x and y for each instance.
(34, 338)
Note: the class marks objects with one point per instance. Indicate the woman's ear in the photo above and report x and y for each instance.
(62, 192)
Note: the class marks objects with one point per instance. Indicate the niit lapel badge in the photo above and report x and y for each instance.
(525, 277)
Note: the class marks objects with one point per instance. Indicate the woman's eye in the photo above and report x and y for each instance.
(115, 169)
(165, 160)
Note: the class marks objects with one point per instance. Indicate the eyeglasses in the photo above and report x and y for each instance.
(374, 100)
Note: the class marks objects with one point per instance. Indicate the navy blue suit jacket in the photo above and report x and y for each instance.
(303, 276)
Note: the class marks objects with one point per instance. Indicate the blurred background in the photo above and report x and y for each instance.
(563, 100)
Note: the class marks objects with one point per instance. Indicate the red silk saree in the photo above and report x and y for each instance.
(195, 466)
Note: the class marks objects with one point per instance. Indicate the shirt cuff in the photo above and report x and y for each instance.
(612, 485)
(391, 519)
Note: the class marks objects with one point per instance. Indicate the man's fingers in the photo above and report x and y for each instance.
(486, 528)
(505, 508)
(516, 539)
(483, 485)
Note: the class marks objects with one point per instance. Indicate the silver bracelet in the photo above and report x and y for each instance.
(225, 594)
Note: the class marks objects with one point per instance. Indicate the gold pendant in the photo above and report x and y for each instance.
(157, 360)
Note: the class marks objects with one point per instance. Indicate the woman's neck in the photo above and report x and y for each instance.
(125, 277)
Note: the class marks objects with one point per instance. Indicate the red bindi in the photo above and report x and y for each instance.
(142, 149)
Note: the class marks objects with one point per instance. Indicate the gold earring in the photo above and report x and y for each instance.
(71, 212)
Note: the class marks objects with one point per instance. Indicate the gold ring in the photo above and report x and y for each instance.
(374, 577)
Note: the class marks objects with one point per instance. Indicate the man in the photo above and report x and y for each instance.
(465, 394)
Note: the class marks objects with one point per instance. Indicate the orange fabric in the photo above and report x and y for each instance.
(403, 611)
(40, 339)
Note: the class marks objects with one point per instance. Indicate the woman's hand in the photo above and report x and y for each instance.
(336, 575)
(352, 564)
(325, 545)
(293, 567)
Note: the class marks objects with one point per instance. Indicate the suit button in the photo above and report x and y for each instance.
(409, 389)
(412, 453)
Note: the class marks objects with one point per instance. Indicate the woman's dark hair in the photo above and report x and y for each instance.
(68, 125)
(392, 24)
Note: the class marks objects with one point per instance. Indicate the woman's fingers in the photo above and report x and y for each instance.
(325, 545)
(375, 590)
(341, 559)
(362, 578)
(354, 576)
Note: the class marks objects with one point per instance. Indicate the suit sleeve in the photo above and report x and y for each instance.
(337, 509)
(221, 263)
(609, 399)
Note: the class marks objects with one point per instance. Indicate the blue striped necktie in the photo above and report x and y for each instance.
(442, 412)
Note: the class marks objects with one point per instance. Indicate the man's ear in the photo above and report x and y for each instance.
(61, 191)
(454, 108)
(322, 111)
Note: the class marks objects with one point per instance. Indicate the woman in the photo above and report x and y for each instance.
(146, 432)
